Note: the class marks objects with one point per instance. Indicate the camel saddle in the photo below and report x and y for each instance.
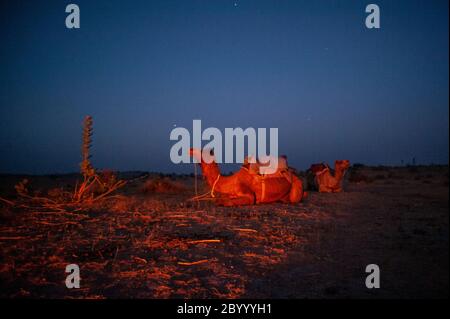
(259, 168)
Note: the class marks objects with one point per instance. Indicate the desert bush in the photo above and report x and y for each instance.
(94, 186)
(123, 204)
(86, 167)
(358, 177)
(106, 180)
(22, 187)
(162, 185)
(58, 194)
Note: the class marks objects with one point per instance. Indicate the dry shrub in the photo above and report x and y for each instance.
(162, 185)
(106, 180)
(22, 187)
(58, 194)
(122, 204)
(358, 177)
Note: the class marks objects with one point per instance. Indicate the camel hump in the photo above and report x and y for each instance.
(261, 166)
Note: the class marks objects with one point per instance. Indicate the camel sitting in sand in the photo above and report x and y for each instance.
(248, 187)
(325, 181)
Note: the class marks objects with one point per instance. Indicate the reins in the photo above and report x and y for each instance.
(206, 196)
(214, 185)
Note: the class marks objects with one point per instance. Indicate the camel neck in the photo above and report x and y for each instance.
(211, 172)
(339, 173)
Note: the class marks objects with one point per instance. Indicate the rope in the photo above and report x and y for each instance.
(214, 185)
(195, 180)
(323, 171)
(205, 196)
(195, 185)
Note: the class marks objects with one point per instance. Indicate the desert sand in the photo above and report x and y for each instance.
(150, 241)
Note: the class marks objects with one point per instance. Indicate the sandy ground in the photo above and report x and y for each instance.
(159, 245)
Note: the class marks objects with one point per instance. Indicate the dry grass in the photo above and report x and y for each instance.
(157, 245)
(162, 185)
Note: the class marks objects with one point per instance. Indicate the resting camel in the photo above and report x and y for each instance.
(247, 187)
(325, 181)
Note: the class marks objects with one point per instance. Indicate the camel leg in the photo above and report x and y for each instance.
(296, 192)
(243, 199)
(242, 196)
(325, 189)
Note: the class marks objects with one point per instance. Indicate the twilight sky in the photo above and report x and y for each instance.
(334, 88)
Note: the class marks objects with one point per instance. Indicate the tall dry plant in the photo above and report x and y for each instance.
(91, 180)
(94, 187)
(87, 170)
(86, 167)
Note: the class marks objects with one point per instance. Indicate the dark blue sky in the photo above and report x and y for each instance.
(334, 88)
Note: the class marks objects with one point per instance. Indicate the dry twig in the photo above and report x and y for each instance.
(193, 263)
(204, 241)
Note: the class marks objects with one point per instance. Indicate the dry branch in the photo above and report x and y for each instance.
(193, 263)
(7, 201)
(246, 230)
(204, 241)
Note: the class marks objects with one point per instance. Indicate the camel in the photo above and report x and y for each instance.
(325, 181)
(247, 187)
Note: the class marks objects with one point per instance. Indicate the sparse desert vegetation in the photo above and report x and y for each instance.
(150, 241)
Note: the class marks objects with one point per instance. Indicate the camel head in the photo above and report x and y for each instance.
(342, 164)
(205, 158)
(202, 156)
(194, 152)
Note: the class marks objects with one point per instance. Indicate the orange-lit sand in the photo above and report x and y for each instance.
(157, 245)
